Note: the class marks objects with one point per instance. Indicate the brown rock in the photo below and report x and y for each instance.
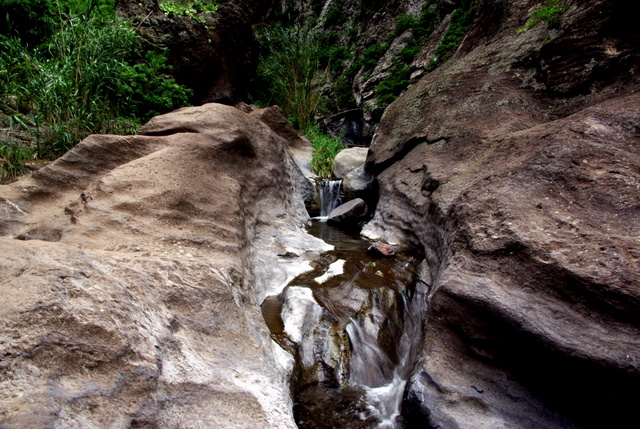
(142, 308)
(381, 249)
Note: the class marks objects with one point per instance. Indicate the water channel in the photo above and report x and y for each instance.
(354, 325)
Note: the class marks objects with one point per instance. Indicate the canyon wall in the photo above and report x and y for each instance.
(515, 165)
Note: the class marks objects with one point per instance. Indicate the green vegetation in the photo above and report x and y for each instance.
(12, 159)
(291, 71)
(325, 149)
(550, 12)
(461, 20)
(188, 8)
(82, 74)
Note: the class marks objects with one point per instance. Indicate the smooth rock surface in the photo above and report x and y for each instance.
(348, 213)
(131, 298)
(358, 180)
(349, 159)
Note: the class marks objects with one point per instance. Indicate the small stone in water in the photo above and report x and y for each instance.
(381, 249)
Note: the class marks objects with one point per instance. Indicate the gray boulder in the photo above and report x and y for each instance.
(349, 212)
(348, 160)
(357, 180)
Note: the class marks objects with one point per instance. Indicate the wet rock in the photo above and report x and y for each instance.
(349, 212)
(143, 308)
(349, 159)
(381, 249)
(350, 127)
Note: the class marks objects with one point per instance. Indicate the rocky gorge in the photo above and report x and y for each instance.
(134, 267)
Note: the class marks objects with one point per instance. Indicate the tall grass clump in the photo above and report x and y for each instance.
(325, 149)
(290, 68)
(87, 76)
(12, 159)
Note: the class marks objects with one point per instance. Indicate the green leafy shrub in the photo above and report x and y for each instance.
(393, 85)
(29, 20)
(325, 149)
(404, 22)
(188, 8)
(550, 13)
(371, 56)
(334, 17)
(461, 20)
(148, 90)
(291, 68)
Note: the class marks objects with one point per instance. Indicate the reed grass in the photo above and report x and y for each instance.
(291, 68)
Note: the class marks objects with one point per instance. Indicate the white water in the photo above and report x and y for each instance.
(329, 196)
(374, 371)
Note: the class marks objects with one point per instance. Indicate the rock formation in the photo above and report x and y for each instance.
(216, 58)
(132, 272)
(515, 166)
(349, 213)
(133, 267)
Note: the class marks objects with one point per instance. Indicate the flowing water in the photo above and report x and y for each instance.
(357, 335)
(329, 196)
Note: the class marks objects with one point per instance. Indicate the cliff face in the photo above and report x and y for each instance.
(515, 165)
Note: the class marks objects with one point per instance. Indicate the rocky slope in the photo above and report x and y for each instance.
(132, 272)
(515, 166)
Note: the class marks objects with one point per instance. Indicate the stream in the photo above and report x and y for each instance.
(354, 325)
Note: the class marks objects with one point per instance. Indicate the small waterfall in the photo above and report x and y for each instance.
(329, 196)
(354, 362)
(373, 370)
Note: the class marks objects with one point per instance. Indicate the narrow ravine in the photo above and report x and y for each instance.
(354, 325)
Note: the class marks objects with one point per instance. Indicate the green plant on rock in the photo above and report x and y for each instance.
(325, 149)
(550, 13)
(461, 20)
(393, 85)
(188, 8)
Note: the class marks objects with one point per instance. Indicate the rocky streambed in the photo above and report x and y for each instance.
(354, 324)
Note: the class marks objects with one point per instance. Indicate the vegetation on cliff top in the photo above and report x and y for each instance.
(188, 8)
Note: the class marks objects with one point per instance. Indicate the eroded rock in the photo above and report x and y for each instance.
(527, 208)
(143, 306)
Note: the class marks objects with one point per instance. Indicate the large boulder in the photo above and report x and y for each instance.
(132, 272)
(515, 167)
(348, 213)
(348, 160)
